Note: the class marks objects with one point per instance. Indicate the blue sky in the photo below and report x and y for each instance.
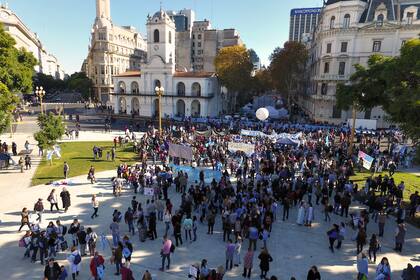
(64, 25)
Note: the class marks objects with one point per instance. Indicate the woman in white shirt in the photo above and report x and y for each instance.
(95, 205)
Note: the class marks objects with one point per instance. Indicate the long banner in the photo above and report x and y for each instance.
(248, 149)
(180, 151)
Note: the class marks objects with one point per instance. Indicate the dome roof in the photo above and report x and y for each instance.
(161, 14)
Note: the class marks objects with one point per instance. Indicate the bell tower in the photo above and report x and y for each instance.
(161, 37)
(103, 9)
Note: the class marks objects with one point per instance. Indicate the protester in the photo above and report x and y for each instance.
(52, 270)
(313, 274)
(265, 260)
(97, 266)
(65, 199)
(95, 205)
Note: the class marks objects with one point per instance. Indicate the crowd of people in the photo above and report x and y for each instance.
(254, 192)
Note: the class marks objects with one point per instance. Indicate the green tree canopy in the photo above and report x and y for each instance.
(233, 68)
(52, 129)
(48, 82)
(16, 71)
(390, 82)
(287, 66)
(79, 82)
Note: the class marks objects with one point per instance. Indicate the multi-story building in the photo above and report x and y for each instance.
(198, 43)
(25, 38)
(191, 94)
(113, 50)
(348, 33)
(302, 23)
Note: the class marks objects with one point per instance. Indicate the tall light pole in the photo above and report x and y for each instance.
(159, 92)
(40, 93)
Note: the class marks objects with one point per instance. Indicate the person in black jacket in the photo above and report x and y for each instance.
(313, 274)
(52, 270)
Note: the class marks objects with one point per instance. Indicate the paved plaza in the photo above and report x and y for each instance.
(294, 248)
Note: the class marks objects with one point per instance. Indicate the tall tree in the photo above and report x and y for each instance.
(393, 83)
(287, 67)
(48, 82)
(233, 67)
(16, 71)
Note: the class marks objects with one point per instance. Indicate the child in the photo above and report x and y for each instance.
(63, 274)
(237, 255)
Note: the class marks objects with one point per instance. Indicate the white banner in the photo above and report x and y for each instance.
(248, 149)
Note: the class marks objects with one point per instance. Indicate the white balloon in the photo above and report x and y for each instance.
(262, 114)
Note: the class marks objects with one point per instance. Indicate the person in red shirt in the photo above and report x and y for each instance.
(97, 265)
(126, 272)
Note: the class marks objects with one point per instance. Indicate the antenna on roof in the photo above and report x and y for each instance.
(161, 5)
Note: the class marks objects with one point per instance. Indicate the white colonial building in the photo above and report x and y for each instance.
(349, 32)
(185, 93)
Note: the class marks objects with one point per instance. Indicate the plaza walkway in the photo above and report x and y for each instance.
(294, 248)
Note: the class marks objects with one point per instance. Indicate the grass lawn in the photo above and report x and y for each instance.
(79, 157)
(411, 181)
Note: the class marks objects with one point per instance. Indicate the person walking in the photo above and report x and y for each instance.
(53, 200)
(286, 208)
(97, 267)
(65, 199)
(373, 247)
(167, 220)
(400, 237)
(24, 219)
(332, 236)
(95, 205)
(82, 237)
(66, 169)
(126, 272)
(360, 239)
(211, 219)
(383, 270)
(248, 263)
(39, 209)
(74, 260)
(237, 255)
(28, 162)
(265, 260)
(165, 252)
(252, 237)
(362, 266)
(129, 220)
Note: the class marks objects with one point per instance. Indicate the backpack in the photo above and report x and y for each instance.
(77, 259)
(172, 249)
(126, 252)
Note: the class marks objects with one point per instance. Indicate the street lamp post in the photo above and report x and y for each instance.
(159, 92)
(40, 93)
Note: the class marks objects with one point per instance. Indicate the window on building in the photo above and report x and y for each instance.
(380, 20)
(199, 44)
(329, 48)
(170, 37)
(368, 114)
(324, 89)
(193, 44)
(332, 22)
(410, 17)
(193, 36)
(346, 22)
(199, 36)
(326, 67)
(156, 36)
(341, 68)
(344, 47)
(403, 42)
(376, 46)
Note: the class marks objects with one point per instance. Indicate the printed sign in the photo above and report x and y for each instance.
(367, 159)
(248, 149)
